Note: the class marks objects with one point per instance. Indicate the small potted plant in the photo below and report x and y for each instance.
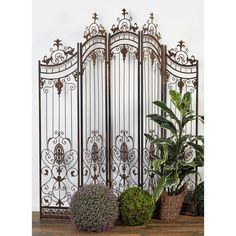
(171, 164)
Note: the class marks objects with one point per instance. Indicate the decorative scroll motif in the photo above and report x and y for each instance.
(148, 52)
(75, 74)
(152, 28)
(149, 178)
(94, 56)
(191, 84)
(94, 157)
(59, 172)
(94, 29)
(124, 49)
(180, 54)
(125, 163)
(124, 24)
(59, 54)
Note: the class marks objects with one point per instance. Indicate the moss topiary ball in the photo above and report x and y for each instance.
(136, 206)
(200, 198)
(94, 208)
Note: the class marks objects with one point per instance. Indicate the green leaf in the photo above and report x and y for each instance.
(175, 97)
(157, 163)
(166, 109)
(171, 180)
(162, 141)
(159, 188)
(199, 162)
(187, 119)
(199, 148)
(171, 128)
(187, 99)
(163, 122)
(149, 137)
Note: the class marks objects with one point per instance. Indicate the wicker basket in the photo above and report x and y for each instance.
(169, 206)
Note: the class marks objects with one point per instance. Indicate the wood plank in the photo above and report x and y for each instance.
(183, 226)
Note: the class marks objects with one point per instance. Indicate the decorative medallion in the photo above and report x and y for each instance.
(124, 152)
(94, 57)
(59, 86)
(152, 56)
(95, 152)
(124, 51)
(151, 151)
(180, 85)
(59, 154)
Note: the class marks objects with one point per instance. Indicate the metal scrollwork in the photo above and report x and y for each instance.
(59, 168)
(94, 159)
(125, 163)
(180, 54)
(94, 29)
(59, 54)
(124, 24)
(152, 28)
(149, 178)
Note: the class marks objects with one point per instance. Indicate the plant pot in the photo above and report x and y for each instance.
(169, 206)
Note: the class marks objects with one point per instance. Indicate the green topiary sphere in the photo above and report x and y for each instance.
(200, 198)
(136, 206)
(94, 208)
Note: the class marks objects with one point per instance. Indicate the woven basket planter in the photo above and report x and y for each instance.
(169, 206)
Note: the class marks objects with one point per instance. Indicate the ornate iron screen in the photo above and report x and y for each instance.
(93, 103)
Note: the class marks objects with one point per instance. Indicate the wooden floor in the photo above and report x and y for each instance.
(184, 226)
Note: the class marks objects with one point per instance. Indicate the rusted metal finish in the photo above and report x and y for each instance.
(93, 104)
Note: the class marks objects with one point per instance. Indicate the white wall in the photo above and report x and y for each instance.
(67, 19)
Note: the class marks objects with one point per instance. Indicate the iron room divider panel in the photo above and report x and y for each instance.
(92, 108)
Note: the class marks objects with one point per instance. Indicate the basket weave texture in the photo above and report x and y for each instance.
(170, 206)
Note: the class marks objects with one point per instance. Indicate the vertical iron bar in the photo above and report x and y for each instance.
(196, 174)
(163, 81)
(40, 142)
(78, 117)
(141, 55)
(107, 110)
(81, 109)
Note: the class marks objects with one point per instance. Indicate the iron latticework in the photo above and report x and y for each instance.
(93, 102)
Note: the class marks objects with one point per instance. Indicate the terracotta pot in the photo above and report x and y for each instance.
(169, 206)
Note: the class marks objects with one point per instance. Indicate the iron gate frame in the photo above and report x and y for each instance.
(165, 57)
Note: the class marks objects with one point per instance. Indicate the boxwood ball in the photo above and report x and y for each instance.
(136, 206)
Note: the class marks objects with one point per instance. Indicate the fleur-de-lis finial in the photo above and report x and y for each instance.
(124, 12)
(151, 17)
(181, 45)
(57, 43)
(95, 17)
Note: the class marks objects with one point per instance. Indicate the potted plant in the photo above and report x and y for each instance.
(170, 163)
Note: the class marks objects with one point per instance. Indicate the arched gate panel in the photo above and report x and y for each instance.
(58, 130)
(124, 97)
(93, 108)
